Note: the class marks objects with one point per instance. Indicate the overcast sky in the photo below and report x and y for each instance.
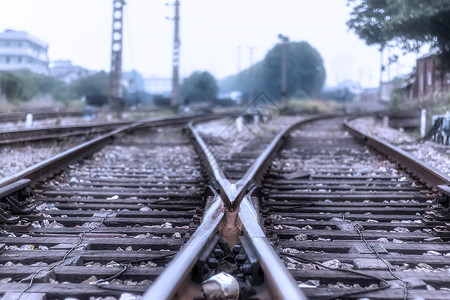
(211, 32)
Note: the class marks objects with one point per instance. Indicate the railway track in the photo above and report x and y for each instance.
(330, 203)
(88, 207)
(22, 136)
(151, 216)
(114, 212)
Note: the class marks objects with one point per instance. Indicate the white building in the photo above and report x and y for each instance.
(133, 81)
(20, 50)
(158, 86)
(65, 71)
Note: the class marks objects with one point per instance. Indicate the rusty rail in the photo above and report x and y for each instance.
(426, 174)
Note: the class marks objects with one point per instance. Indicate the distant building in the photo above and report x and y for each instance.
(352, 86)
(346, 91)
(429, 77)
(20, 50)
(136, 93)
(407, 86)
(133, 81)
(235, 96)
(426, 78)
(386, 90)
(65, 71)
(159, 86)
(368, 100)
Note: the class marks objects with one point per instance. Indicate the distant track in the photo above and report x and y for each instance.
(56, 132)
(39, 115)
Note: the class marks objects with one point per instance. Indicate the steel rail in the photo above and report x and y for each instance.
(174, 276)
(257, 169)
(51, 132)
(426, 174)
(59, 161)
(172, 279)
(281, 282)
(213, 166)
(55, 163)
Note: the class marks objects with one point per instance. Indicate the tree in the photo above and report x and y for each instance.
(305, 73)
(18, 85)
(199, 87)
(24, 85)
(304, 68)
(94, 87)
(50, 85)
(407, 24)
(248, 81)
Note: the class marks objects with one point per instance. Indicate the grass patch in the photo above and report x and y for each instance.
(313, 106)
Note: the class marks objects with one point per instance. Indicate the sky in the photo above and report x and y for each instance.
(211, 33)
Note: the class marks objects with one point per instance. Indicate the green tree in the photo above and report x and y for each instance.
(94, 87)
(16, 87)
(50, 85)
(305, 73)
(24, 85)
(304, 69)
(249, 81)
(407, 24)
(199, 87)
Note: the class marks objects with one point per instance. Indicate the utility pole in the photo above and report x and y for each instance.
(284, 39)
(115, 75)
(389, 65)
(176, 59)
(239, 75)
(380, 90)
(250, 75)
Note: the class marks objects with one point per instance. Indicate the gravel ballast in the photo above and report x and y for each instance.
(432, 154)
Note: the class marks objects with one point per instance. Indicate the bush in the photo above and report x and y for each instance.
(312, 106)
(96, 100)
(396, 99)
(161, 100)
(94, 87)
(23, 85)
(18, 85)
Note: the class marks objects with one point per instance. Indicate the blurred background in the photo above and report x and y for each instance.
(184, 56)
